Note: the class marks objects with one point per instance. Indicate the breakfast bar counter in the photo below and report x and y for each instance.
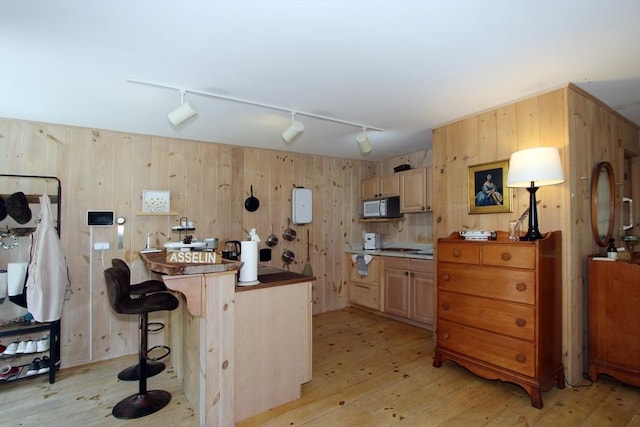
(238, 350)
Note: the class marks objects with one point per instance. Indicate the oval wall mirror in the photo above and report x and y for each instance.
(603, 204)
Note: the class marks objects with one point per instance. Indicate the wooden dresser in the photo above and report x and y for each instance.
(614, 319)
(500, 309)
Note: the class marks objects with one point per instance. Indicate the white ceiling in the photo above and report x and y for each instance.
(404, 66)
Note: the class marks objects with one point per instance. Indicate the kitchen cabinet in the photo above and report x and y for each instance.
(500, 309)
(614, 319)
(409, 289)
(16, 332)
(415, 190)
(378, 187)
(365, 290)
(273, 346)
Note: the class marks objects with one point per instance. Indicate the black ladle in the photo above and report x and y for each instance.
(251, 204)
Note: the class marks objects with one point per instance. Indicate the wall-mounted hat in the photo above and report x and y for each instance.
(17, 207)
(3, 211)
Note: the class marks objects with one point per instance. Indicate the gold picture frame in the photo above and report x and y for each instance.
(488, 192)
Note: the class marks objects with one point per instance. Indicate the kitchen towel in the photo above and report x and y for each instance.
(249, 256)
(361, 261)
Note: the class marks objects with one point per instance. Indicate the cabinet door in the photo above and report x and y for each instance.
(396, 292)
(422, 297)
(413, 191)
(389, 185)
(369, 188)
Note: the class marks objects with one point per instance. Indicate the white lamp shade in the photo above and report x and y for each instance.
(540, 165)
(182, 114)
(293, 131)
(364, 143)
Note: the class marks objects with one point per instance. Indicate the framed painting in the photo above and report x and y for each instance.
(488, 192)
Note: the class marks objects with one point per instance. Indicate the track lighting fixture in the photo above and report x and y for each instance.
(363, 142)
(293, 131)
(186, 111)
(183, 113)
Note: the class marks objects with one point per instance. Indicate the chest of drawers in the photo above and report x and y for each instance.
(500, 310)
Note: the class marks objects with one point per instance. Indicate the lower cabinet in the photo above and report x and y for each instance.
(364, 290)
(409, 289)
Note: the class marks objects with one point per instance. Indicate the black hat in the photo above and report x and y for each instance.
(3, 211)
(17, 207)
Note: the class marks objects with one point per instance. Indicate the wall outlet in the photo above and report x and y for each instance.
(101, 246)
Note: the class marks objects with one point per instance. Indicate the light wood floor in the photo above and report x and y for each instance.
(367, 371)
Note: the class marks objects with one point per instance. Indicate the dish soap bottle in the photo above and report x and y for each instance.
(612, 252)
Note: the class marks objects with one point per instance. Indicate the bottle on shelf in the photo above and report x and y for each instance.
(612, 252)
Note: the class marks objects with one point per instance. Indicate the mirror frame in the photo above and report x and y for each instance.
(595, 182)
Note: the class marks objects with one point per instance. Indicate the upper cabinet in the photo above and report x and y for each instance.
(379, 187)
(415, 190)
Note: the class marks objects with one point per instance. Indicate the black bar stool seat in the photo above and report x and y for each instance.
(144, 402)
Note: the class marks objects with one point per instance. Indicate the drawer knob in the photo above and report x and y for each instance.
(456, 253)
(521, 358)
(446, 306)
(521, 323)
(521, 287)
(445, 335)
(506, 256)
(406, 273)
(446, 277)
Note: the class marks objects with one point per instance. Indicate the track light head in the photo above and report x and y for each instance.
(294, 130)
(363, 142)
(183, 113)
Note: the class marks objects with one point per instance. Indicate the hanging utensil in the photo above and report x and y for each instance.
(272, 240)
(289, 233)
(252, 203)
(308, 269)
(287, 257)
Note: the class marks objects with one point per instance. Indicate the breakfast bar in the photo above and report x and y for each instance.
(238, 350)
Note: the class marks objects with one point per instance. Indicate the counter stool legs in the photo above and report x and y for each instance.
(132, 373)
(145, 402)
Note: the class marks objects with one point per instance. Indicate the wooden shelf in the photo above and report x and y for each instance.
(171, 213)
(381, 219)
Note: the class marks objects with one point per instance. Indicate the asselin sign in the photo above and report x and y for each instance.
(193, 257)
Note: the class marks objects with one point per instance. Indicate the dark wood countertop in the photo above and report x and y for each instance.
(282, 277)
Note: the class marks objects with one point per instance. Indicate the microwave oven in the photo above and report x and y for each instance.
(381, 208)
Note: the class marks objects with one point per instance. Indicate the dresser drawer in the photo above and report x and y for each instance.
(465, 253)
(497, 350)
(509, 285)
(516, 256)
(506, 318)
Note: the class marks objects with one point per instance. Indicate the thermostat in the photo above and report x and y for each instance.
(100, 218)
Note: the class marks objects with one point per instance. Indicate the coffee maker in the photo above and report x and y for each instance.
(231, 250)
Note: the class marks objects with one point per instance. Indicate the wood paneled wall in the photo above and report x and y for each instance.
(585, 131)
(208, 183)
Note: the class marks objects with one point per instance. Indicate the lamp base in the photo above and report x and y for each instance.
(533, 233)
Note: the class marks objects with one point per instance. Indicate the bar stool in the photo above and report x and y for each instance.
(144, 402)
(140, 290)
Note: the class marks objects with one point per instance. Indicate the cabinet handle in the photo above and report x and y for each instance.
(406, 273)
(446, 306)
(456, 253)
(423, 208)
(506, 256)
(446, 277)
(521, 358)
(521, 323)
(445, 335)
(361, 286)
(521, 287)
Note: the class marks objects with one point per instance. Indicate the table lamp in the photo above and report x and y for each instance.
(533, 168)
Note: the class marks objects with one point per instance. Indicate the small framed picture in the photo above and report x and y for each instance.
(488, 192)
(156, 201)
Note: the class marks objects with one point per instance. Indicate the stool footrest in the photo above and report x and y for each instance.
(155, 326)
(163, 347)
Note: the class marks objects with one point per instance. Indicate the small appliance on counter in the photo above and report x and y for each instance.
(232, 250)
(372, 241)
